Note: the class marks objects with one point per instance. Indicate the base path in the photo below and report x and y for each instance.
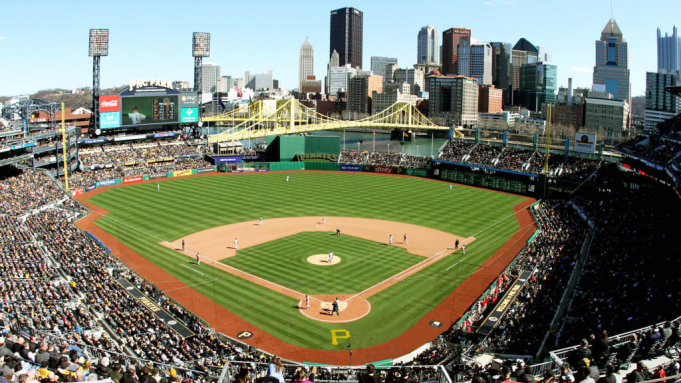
(222, 320)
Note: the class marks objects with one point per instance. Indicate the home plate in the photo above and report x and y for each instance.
(328, 306)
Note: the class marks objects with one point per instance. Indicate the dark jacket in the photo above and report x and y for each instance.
(41, 356)
(365, 377)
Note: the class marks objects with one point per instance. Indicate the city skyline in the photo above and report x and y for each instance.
(43, 59)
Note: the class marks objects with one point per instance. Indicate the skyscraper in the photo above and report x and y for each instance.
(612, 67)
(660, 104)
(476, 61)
(346, 36)
(306, 66)
(210, 73)
(501, 69)
(668, 51)
(450, 45)
(378, 65)
(333, 63)
(427, 46)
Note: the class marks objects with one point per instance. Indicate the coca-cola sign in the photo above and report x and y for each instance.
(109, 103)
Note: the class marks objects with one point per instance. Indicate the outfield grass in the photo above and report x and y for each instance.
(140, 216)
(363, 263)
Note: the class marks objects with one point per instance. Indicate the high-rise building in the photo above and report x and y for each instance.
(378, 65)
(611, 117)
(660, 104)
(338, 78)
(360, 90)
(490, 99)
(391, 94)
(347, 36)
(476, 61)
(523, 53)
(453, 99)
(612, 67)
(414, 77)
(428, 46)
(538, 85)
(333, 63)
(261, 81)
(224, 84)
(450, 45)
(543, 56)
(501, 69)
(210, 73)
(306, 65)
(668, 51)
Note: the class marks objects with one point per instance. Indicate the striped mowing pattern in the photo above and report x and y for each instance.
(185, 206)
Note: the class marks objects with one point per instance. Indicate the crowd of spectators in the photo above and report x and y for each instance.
(94, 157)
(630, 278)
(25, 190)
(383, 159)
(456, 151)
(656, 149)
(353, 157)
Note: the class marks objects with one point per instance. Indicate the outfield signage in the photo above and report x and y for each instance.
(585, 143)
(181, 173)
(504, 304)
(189, 115)
(351, 168)
(149, 303)
(157, 175)
(106, 183)
(383, 169)
(228, 160)
(77, 192)
(204, 170)
(128, 180)
(90, 187)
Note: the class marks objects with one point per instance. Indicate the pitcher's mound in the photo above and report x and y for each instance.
(323, 259)
(328, 306)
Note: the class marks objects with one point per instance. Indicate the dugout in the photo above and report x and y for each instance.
(290, 148)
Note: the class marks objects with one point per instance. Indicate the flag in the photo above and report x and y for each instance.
(222, 104)
(239, 93)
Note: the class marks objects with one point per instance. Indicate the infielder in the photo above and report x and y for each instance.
(198, 259)
(406, 241)
(456, 245)
(183, 245)
(324, 219)
(330, 257)
(307, 302)
(261, 223)
(236, 244)
(463, 249)
(390, 240)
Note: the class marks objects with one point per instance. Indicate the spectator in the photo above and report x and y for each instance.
(370, 375)
(609, 375)
(276, 370)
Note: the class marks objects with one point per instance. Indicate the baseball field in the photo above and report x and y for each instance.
(386, 290)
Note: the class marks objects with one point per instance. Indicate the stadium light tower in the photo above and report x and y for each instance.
(99, 46)
(200, 49)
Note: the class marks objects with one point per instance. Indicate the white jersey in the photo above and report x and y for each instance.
(137, 118)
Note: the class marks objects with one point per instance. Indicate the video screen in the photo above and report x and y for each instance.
(149, 110)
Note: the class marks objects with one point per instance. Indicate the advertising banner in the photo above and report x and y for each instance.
(585, 143)
(161, 160)
(109, 103)
(77, 192)
(351, 168)
(128, 180)
(383, 169)
(145, 178)
(189, 115)
(204, 170)
(106, 183)
(567, 145)
(166, 134)
(158, 175)
(90, 187)
(94, 141)
(505, 137)
(181, 173)
(228, 160)
(189, 100)
(131, 137)
(109, 120)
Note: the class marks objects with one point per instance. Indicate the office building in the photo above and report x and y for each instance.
(498, 121)
(338, 78)
(451, 38)
(379, 64)
(490, 99)
(568, 115)
(476, 61)
(263, 81)
(609, 117)
(501, 69)
(224, 84)
(346, 36)
(210, 73)
(360, 90)
(333, 63)
(306, 63)
(543, 56)
(453, 99)
(538, 85)
(661, 105)
(612, 67)
(668, 51)
(414, 77)
(427, 46)
(524, 52)
(391, 94)
(311, 85)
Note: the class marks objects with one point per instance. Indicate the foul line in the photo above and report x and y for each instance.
(191, 268)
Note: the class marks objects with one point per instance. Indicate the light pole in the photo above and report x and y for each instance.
(388, 148)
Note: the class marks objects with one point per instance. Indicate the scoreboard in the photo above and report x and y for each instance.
(513, 182)
(163, 108)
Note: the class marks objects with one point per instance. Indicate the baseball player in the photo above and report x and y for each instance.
(307, 302)
(337, 231)
(183, 245)
(286, 178)
(336, 307)
(463, 249)
(324, 219)
(456, 245)
(450, 187)
(330, 257)
(236, 244)
(261, 223)
(158, 187)
(198, 259)
(406, 241)
(390, 240)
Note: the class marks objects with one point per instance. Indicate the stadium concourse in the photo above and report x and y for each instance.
(64, 318)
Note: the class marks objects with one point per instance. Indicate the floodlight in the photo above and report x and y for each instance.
(99, 42)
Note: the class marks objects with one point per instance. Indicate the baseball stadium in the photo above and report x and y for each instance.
(175, 240)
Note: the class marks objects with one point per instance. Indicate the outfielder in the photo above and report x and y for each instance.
(463, 249)
(261, 223)
(158, 187)
(450, 187)
(286, 178)
(330, 257)
(406, 241)
(236, 244)
(390, 240)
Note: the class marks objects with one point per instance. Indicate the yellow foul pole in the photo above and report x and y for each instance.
(63, 144)
(548, 141)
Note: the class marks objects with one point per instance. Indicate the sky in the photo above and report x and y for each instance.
(45, 43)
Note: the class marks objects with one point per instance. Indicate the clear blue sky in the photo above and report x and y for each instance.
(43, 44)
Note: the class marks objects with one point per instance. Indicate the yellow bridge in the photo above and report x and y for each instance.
(283, 117)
